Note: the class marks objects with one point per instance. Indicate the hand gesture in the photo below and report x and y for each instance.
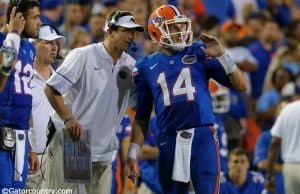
(75, 129)
(33, 163)
(131, 170)
(16, 21)
(214, 47)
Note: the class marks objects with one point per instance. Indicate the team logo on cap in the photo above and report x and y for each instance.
(189, 59)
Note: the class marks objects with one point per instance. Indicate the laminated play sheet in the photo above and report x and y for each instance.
(77, 158)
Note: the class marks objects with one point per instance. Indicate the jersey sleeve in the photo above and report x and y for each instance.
(2, 37)
(144, 99)
(215, 70)
(69, 72)
(261, 149)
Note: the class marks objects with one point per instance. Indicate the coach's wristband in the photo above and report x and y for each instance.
(134, 150)
(227, 63)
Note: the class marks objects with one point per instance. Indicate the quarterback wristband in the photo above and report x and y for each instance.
(227, 63)
(134, 150)
(12, 40)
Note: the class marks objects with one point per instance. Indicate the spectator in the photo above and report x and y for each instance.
(267, 103)
(51, 11)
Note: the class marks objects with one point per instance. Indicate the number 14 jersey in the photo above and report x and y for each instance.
(16, 99)
(178, 86)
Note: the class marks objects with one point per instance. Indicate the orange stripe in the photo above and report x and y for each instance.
(217, 183)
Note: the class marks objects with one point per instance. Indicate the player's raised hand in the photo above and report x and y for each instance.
(16, 21)
(214, 48)
(131, 170)
(74, 128)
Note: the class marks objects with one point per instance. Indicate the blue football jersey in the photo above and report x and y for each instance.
(222, 137)
(16, 99)
(178, 86)
(253, 185)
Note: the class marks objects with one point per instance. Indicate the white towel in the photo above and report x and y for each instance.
(19, 154)
(182, 160)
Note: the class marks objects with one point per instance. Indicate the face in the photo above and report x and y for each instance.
(123, 38)
(282, 77)
(238, 165)
(271, 32)
(33, 23)
(174, 29)
(46, 51)
(74, 15)
(96, 25)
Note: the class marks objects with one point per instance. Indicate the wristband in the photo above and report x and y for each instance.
(134, 150)
(67, 119)
(12, 40)
(227, 63)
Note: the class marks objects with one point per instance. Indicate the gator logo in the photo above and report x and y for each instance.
(189, 59)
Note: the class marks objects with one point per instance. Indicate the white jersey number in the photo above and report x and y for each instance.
(182, 86)
(22, 82)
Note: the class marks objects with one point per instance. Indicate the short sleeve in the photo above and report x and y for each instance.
(69, 72)
(261, 148)
(279, 124)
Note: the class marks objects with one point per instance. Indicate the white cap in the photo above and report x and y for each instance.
(48, 33)
(126, 21)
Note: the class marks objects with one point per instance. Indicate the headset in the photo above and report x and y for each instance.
(112, 24)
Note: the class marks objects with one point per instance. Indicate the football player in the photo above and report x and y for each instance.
(176, 80)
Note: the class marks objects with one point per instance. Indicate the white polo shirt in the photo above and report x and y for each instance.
(287, 127)
(41, 110)
(87, 80)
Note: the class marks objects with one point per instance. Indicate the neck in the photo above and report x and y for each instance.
(43, 69)
(168, 52)
(237, 179)
(112, 50)
(266, 44)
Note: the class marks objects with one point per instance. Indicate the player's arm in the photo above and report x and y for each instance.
(10, 46)
(144, 103)
(215, 49)
(57, 102)
(272, 158)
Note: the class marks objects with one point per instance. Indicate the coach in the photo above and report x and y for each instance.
(85, 95)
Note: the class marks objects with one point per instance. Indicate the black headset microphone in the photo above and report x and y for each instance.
(112, 24)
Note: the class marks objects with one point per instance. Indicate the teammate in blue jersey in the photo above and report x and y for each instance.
(239, 180)
(221, 105)
(148, 159)
(16, 71)
(176, 80)
(123, 134)
(260, 160)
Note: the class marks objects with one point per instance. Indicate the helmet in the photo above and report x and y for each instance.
(159, 25)
(220, 97)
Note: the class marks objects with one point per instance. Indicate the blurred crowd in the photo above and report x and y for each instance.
(261, 36)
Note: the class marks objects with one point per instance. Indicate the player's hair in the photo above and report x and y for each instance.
(22, 6)
(238, 152)
(275, 72)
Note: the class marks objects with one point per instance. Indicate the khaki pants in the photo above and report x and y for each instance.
(34, 181)
(291, 173)
(101, 177)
